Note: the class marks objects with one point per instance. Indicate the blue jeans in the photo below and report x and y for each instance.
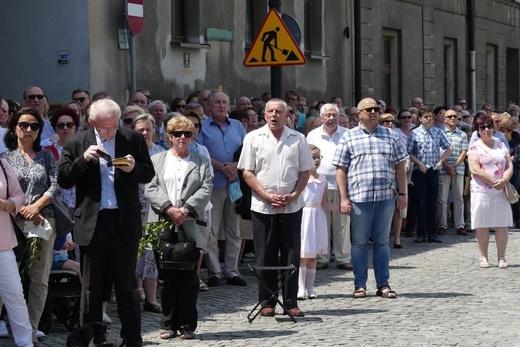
(366, 219)
(427, 188)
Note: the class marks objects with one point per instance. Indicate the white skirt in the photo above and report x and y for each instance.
(490, 210)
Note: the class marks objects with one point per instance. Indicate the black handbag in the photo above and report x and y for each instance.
(177, 255)
(19, 250)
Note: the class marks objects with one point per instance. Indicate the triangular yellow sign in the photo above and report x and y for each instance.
(274, 45)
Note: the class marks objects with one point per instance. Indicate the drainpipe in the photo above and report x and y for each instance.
(470, 18)
(357, 51)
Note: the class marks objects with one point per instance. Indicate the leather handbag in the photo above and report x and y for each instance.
(511, 193)
(176, 254)
(19, 250)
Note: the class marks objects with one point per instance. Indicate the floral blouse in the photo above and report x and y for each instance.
(494, 164)
(34, 177)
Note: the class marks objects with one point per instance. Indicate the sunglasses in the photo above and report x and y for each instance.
(68, 125)
(484, 127)
(24, 126)
(35, 96)
(291, 112)
(197, 125)
(128, 121)
(149, 97)
(187, 134)
(81, 99)
(181, 106)
(451, 116)
(388, 121)
(406, 117)
(370, 109)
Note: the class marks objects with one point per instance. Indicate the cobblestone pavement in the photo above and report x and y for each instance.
(445, 299)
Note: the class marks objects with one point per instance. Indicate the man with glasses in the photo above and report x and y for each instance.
(35, 98)
(222, 136)
(146, 93)
(326, 137)
(452, 174)
(424, 144)
(370, 161)
(82, 97)
(462, 103)
(108, 222)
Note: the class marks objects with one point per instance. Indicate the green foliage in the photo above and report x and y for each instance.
(151, 235)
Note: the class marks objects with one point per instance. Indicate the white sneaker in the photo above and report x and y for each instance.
(3, 329)
(39, 334)
(106, 319)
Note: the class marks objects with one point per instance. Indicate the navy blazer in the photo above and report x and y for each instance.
(74, 170)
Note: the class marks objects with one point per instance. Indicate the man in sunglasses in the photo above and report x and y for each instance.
(452, 174)
(35, 98)
(108, 221)
(82, 97)
(371, 178)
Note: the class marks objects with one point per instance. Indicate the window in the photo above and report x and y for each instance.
(185, 18)
(313, 28)
(491, 75)
(255, 13)
(512, 71)
(450, 71)
(392, 89)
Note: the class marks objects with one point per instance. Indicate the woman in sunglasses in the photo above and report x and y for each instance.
(130, 113)
(181, 190)
(36, 171)
(491, 168)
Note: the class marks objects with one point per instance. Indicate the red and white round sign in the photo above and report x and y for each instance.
(135, 15)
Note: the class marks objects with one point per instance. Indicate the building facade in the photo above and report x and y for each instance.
(387, 49)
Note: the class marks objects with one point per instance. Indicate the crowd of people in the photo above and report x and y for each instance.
(317, 183)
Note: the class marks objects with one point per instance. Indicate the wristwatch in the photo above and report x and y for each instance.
(402, 194)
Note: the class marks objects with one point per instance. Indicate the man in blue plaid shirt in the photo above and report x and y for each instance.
(369, 160)
(424, 144)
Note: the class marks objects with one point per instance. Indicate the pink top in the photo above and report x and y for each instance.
(492, 160)
(7, 236)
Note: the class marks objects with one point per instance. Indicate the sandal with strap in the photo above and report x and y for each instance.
(386, 292)
(360, 292)
(168, 335)
(187, 335)
(484, 262)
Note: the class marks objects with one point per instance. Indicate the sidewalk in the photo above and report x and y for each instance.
(444, 299)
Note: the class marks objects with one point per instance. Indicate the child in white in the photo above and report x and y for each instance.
(314, 227)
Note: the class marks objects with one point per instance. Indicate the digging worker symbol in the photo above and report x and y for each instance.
(267, 38)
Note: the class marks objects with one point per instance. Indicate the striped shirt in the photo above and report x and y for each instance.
(459, 142)
(370, 159)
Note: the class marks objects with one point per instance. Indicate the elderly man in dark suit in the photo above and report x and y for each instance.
(107, 212)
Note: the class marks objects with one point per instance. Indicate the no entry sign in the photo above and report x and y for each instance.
(135, 15)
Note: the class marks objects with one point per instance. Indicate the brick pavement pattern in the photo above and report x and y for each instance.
(444, 299)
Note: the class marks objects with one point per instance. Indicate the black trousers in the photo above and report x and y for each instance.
(109, 254)
(278, 235)
(179, 300)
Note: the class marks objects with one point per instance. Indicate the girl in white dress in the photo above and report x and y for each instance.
(314, 227)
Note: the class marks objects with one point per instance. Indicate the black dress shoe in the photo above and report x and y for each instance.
(419, 239)
(155, 308)
(213, 281)
(236, 281)
(435, 239)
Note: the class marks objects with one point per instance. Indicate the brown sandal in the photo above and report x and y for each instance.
(360, 292)
(386, 292)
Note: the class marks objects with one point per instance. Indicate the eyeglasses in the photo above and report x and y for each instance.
(317, 157)
(465, 116)
(459, 119)
(187, 134)
(388, 121)
(80, 99)
(451, 116)
(106, 130)
(371, 109)
(405, 117)
(24, 126)
(68, 125)
(128, 121)
(484, 127)
(35, 96)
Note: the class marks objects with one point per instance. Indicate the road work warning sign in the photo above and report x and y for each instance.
(274, 45)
